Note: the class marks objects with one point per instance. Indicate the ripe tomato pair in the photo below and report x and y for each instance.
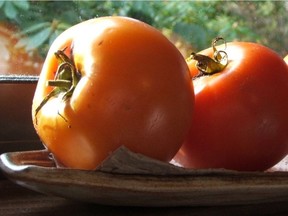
(112, 81)
(241, 112)
(123, 83)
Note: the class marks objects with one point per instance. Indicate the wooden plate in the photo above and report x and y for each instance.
(129, 179)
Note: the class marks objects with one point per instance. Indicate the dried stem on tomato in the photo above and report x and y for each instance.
(207, 65)
(65, 81)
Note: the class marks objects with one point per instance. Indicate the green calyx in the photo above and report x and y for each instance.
(65, 81)
(207, 65)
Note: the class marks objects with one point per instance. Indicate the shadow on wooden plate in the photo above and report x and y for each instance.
(129, 179)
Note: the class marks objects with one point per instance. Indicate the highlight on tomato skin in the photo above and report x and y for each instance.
(124, 83)
(286, 59)
(240, 116)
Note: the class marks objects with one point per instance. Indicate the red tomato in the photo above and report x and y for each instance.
(241, 113)
(132, 88)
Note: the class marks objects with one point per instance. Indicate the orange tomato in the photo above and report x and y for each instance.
(240, 117)
(133, 89)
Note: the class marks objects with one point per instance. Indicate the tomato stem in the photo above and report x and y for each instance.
(207, 65)
(65, 81)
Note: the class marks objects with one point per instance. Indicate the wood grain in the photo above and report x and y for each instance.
(129, 179)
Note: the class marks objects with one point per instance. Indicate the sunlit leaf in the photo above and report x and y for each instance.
(23, 4)
(10, 10)
(53, 36)
(1, 3)
(22, 43)
(39, 38)
(36, 28)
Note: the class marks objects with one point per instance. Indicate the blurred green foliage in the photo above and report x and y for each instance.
(198, 22)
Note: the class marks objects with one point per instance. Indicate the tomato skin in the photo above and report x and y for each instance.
(286, 59)
(240, 117)
(135, 91)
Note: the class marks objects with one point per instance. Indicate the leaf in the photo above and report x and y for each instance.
(39, 38)
(10, 10)
(35, 28)
(22, 43)
(53, 36)
(193, 33)
(63, 26)
(11, 7)
(23, 4)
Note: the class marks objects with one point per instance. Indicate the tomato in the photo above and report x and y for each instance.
(132, 88)
(15, 60)
(286, 59)
(240, 117)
